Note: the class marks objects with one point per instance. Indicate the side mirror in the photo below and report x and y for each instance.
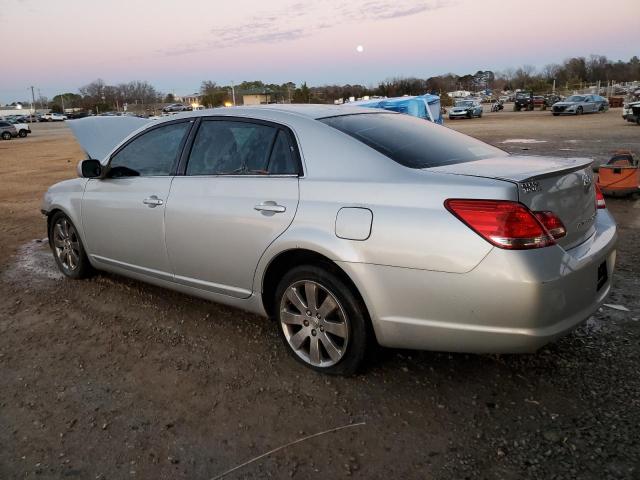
(89, 168)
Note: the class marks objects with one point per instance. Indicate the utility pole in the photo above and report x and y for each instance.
(233, 93)
(62, 101)
(33, 105)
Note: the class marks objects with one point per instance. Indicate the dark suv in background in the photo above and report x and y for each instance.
(523, 101)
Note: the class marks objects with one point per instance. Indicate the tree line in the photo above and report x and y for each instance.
(573, 73)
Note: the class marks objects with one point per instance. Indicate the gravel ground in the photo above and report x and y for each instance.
(109, 378)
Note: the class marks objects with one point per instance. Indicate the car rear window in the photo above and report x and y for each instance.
(411, 141)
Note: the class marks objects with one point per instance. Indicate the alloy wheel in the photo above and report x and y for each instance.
(66, 244)
(314, 323)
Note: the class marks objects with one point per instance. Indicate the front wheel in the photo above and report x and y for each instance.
(6, 136)
(22, 133)
(67, 248)
(579, 111)
(321, 320)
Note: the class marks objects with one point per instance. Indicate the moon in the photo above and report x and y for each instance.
(359, 49)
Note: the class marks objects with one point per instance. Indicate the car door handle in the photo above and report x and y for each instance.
(271, 207)
(153, 201)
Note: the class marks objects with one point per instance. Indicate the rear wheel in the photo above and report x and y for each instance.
(67, 248)
(556, 114)
(22, 133)
(321, 320)
(579, 111)
(6, 136)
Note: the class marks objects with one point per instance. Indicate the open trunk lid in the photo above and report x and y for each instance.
(564, 186)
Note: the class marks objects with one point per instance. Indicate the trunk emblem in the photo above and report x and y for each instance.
(586, 180)
(528, 187)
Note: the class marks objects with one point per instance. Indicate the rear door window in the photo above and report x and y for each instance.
(228, 147)
(412, 142)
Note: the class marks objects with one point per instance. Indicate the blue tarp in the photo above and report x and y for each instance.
(422, 106)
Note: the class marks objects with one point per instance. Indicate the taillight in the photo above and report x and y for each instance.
(503, 223)
(599, 198)
(552, 223)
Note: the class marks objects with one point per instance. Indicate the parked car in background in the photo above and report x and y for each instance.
(7, 130)
(631, 112)
(346, 225)
(550, 99)
(579, 104)
(465, 109)
(523, 101)
(177, 107)
(53, 117)
(538, 101)
(22, 128)
(76, 115)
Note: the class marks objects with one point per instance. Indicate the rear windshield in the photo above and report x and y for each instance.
(412, 142)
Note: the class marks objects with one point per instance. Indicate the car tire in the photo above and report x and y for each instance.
(6, 136)
(480, 114)
(335, 345)
(68, 250)
(556, 114)
(22, 133)
(579, 111)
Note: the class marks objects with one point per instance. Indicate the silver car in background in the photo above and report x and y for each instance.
(347, 225)
(579, 104)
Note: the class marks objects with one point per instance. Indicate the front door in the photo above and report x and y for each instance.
(123, 213)
(238, 194)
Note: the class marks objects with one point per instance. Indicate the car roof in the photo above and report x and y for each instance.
(311, 111)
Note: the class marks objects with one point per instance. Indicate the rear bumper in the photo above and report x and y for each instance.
(512, 302)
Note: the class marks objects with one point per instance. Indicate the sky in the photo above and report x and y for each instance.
(60, 45)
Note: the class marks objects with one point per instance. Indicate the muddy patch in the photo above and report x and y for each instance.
(523, 140)
(33, 263)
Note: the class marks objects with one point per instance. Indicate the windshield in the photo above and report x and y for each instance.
(412, 142)
(575, 98)
(523, 95)
(465, 103)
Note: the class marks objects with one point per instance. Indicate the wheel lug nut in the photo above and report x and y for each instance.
(318, 315)
(313, 332)
(306, 323)
(309, 313)
(321, 328)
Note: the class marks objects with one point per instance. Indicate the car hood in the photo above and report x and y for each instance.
(98, 136)
(460, 109)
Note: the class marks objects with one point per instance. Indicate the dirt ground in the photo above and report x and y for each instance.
(109, 378)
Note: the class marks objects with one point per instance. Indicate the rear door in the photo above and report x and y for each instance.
(238, 193)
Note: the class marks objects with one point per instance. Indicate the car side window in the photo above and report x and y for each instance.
(283, 161)
(154, 153)
(226, 147)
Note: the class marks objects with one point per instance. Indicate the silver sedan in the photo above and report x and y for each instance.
(347, 225)
(579, 104)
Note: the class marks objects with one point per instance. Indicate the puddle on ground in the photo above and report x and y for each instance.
(593, 325)
(523, 140)
(33, 263)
